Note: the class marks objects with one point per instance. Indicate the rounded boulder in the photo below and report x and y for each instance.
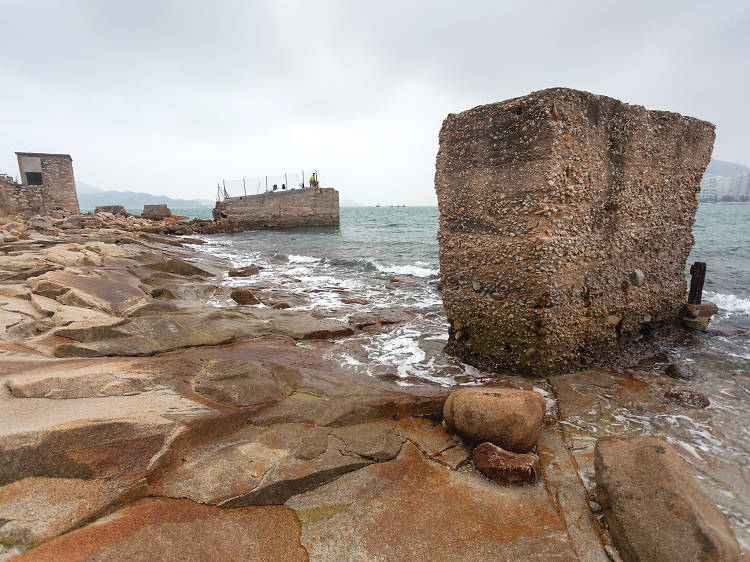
(507, 417)
(243, 296)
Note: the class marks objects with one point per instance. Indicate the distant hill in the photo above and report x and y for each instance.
(82, 187)
(721, 168)
(349, 203)
(90, 197)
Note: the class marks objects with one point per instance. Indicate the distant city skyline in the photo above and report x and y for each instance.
(170, 98)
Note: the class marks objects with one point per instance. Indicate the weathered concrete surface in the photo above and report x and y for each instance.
(114, 209)
(156, 211)
(548, 204)
(649, 495)
(162, 529)
(280, 209)
(52, 192)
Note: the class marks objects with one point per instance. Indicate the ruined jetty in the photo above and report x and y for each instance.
(565, 225)
(310, 206)
(159, 211)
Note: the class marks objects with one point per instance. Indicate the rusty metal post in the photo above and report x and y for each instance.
(697, 277)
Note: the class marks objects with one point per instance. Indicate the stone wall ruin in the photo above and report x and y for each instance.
(159, 211)
(565, 224)
(47, 186)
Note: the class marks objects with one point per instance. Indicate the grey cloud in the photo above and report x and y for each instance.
(170, 97)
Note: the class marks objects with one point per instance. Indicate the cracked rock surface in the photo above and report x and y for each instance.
(140, 420)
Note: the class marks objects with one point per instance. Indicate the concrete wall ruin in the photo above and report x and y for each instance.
(282, 209)
(47, 186)
(565, 224)
(159, 211)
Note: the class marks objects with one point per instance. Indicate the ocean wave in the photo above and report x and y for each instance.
(364, 263)
(298, 271)
(415, 270)
(730, 303)
(302, 259)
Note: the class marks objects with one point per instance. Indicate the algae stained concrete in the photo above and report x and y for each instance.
(565, 224)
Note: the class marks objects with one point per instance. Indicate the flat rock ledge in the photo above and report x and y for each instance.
(654, 506)
(138, 422)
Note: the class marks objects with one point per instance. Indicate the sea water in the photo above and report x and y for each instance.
(375, 244)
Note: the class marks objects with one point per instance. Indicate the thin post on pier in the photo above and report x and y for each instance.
(286, 181)
(243, 187)
(697, 277)
(303, 179)
(266, 183)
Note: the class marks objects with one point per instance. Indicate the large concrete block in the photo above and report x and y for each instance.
(156, 211)
(565, 224)
(281, 209)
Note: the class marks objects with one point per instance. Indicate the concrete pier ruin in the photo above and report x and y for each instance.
(565, 225)
(311, 206)
(159, 211)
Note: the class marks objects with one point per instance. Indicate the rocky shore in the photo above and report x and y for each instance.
(146, 413)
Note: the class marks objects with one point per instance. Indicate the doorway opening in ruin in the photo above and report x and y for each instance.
(34, 178)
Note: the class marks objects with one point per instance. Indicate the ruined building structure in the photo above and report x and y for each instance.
(311, 206)
(565, 224)
(47, 186)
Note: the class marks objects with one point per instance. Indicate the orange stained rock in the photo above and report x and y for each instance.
(161, 529)
(415, 509)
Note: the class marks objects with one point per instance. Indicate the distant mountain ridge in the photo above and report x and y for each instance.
(724, 169)
(349, 203)
(90, 197)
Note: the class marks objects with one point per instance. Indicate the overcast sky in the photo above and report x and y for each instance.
(170, 97)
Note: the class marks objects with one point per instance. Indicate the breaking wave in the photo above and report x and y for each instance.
(729, 303)
(302, 259)
(416, 270)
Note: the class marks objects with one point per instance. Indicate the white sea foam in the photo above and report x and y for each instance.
(415, 270)
(298, 271)
(729, 303)
(302, 259)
